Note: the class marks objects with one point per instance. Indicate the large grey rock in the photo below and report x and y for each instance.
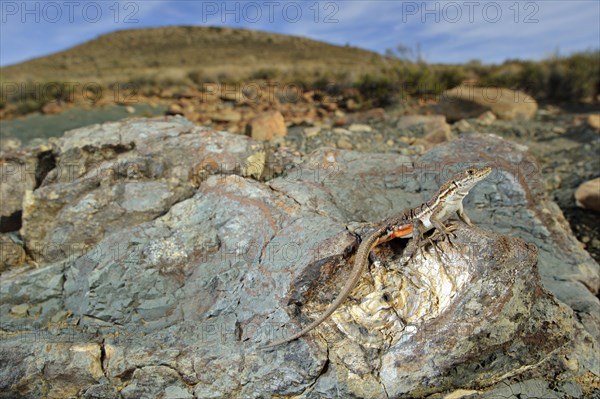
(174, 304)
(112, 176)
(519, 206)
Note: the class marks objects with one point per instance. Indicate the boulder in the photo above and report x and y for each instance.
(587, 195)
(266, 126)
(175, 109)
(594, 121)
(487, 118)
(226, 115)
(311, 131)
(360, 128)
(468, 101)
(52, 108)
(120, 174)
(435, 129)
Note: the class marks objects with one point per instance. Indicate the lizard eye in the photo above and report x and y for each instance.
(470, 171)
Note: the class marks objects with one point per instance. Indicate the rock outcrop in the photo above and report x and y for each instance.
(186, 263)
(108, 177)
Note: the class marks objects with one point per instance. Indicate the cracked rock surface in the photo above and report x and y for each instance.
(164, 258)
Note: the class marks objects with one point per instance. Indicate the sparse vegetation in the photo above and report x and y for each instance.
(149, 61)
(378, 90)
(567, 79)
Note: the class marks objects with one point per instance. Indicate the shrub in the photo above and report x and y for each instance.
(264, 74)
(28, 105)
(377, 90)
(198, 77)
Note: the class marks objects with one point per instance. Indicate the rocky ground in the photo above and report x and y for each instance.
(565, 145)
(565, 140)
(199, 245)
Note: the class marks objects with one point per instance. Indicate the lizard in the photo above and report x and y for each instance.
(412, 222)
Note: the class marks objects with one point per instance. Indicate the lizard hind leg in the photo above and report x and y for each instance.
(418, 242)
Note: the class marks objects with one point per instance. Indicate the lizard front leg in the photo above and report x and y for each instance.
(463, 216)
(439, 226)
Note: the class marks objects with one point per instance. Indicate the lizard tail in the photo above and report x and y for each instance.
(360, 262)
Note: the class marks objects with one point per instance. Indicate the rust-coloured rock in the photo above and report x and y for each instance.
(266, 126)
(51, 108)
(594, 121)
(587, 195)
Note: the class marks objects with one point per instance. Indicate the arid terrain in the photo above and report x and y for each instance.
(153, 178)
(223, 78)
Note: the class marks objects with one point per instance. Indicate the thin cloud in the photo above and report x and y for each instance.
(374, 25)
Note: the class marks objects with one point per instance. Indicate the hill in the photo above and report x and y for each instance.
(158, 61)
(178, 52)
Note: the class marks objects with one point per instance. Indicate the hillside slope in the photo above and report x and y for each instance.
(177, 51)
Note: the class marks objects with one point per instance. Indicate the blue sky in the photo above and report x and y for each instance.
(447, 31)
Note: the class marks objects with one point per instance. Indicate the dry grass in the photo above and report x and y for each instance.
(178, 57)
(174, 53)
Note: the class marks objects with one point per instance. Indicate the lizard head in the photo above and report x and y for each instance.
(471, 176)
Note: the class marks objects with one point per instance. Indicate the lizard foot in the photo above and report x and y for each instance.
(444, 233)
(415, 246)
